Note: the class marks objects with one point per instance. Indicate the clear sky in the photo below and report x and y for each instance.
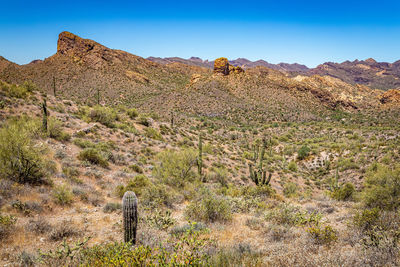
(307, 32)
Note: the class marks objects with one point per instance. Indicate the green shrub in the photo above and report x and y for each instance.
(160, 219)
(175, 167)
(220, 176)
(157, 195)
(366, 219)
(209, 207)
(256, 191)
(112, 207)
(93, 156)
(136, 168)
(382, 187)
(323, 235)
(71, 173)
(62, 195)
(344, 192)
(292, 166)
(132, 113)
(21, 159)
(303, 152)
(83, 143)
(153, 134)
(55, 131)
(18, 91)
(291, 215)
(290, 189)
(7, 223)
(105, 115)
(144, 120)
(348, 164)
(137, 184)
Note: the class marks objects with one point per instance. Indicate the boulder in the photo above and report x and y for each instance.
(221, 65)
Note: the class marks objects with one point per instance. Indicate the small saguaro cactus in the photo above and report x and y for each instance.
(98, 96)
(200, 157)
(259, 176)
(45, 114)
(172, 119)
(130, 216)
(54, 86)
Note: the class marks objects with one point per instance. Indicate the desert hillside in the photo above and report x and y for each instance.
(230, 166)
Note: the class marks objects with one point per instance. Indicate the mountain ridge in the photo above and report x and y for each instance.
(240, 62)
(81, 69)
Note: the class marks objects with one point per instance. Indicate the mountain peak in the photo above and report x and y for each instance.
(370, 60)
(73, 45)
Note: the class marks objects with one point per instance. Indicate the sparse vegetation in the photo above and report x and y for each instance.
(331, 199)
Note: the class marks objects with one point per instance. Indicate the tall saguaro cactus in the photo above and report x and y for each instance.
(45, 114)
(200, 157)
(54, 86)
(130, 216)
(259, 175)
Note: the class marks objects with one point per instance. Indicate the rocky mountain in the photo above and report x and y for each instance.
(193, 61)
(381, 75)
(240, 62)
(81, 69)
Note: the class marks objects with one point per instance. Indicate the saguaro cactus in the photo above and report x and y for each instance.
(200, 157)
(172, 119)
(54, 86)
(98, 96)
(130, 216)
(259, 176)
(45, 113)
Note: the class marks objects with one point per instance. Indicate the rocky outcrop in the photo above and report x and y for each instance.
(85, 50)
(73, 45)
(237, 70)
(221, 65)
(391, 96)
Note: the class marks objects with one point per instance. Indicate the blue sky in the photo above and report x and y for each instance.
(307, 32)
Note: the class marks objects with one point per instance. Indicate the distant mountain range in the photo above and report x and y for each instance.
(241, 62)
(380, 75)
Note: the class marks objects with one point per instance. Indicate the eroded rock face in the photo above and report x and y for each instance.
(73, 45)
(84, 50)
(221, 65)
(391, 96)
